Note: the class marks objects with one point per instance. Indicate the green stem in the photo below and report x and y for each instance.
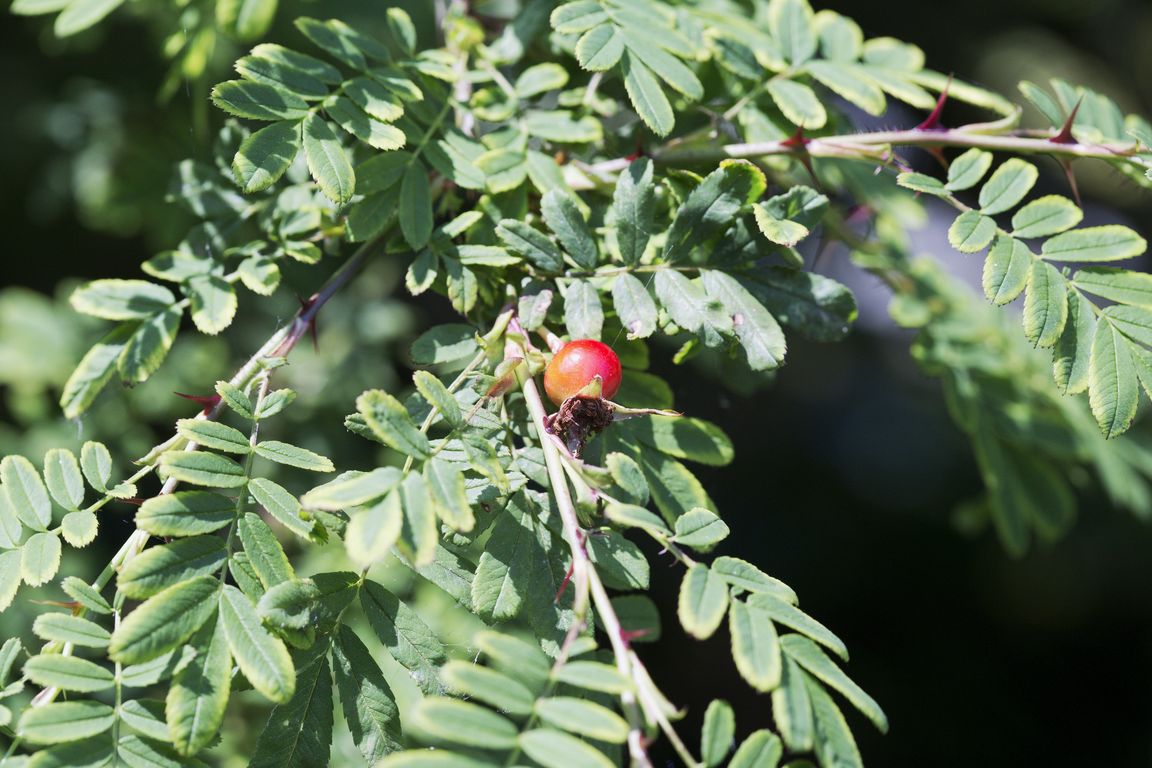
(871, 146)
(585, 579)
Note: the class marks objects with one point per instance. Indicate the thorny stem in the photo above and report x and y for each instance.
(278, 345)
(871, 146)
(584, 575)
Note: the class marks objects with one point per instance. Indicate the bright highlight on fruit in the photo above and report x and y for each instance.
(576, 364)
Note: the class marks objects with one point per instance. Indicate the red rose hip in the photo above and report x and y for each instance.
(574, 366)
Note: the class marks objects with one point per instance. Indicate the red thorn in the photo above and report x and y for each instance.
(628, 635)
(208, 401)
(305, 305)
(938, 153)
(933, 121)
(796, 140)
(564, 584)
(134, 500)
(799, 142)
(1066, 164)
(1065, 135)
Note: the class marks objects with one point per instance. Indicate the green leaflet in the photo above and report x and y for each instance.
(261, 656)
(264, 551)
(762, 749)
(1007, 186)
(1007, 270)
(790, 616)
(402, 631)
(968, 169)
(68, 672)
(691, 308)
(63, 478)
(65, 721)
(157, 568)
(593, 676)
(368, 704)
(755, 327)
(64, 628)
(212, 434)
(742, 575)
(1045, 304)
(448, 494)
(458, 722)
(600, 48)
(373, 530)
(1112, 389)
(703, 601)
(633, 205)
(194, 708)
(297, 72)
(1071, 358)
(850, 81)
(1044, 216)
(791, 23)
(40, 558)
(515, 657)
(700, 529)
(566, 221)
(717, 733)
(792, 708)
(164, 621)
(283, 506)
(809, 656)
(200, 468)
(834, 744)
(415, 206)
(213, 303)
(352, 489)
(489, 686)
(185, 513)
(798, 102)
(148, 345)
(971, 232)
(755, 646)
(327, 161)
(419, 532)
(583, 315)
(258, 101)
(583, 718)
(389, 421)
(79, 528)
(531, 243)
(121, 299)
(634, 306)
(1119, 285)
(711, 207)
(26, 492)
(543, 744)
(293, 456)
(508, 566)
(299, 729)
(646, 95)
(1110, 242)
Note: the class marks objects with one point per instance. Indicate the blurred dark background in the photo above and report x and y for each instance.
(847, 467)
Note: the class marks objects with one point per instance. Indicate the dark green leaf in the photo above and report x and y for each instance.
(258, 101)
(327, 161)
(369, 706)
(261, 656)
(265, 155)
(164, 621)
(195, 704)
